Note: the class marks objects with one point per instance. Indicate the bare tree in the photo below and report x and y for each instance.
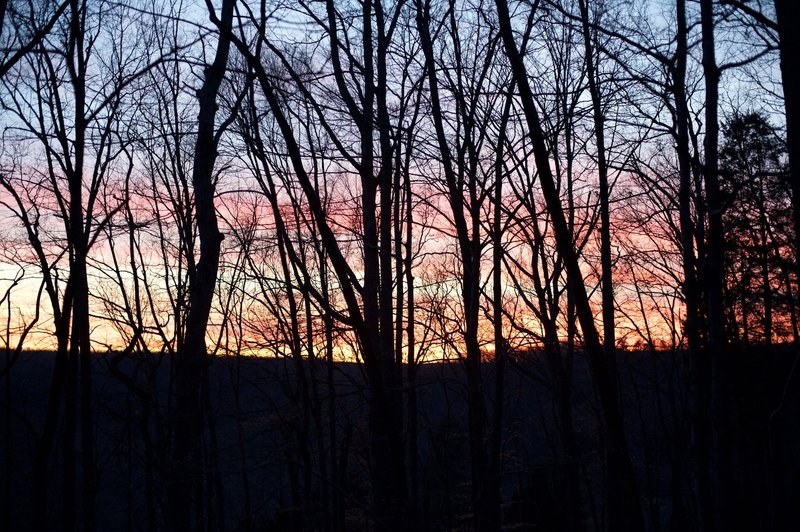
(183, 492)
(624, 507)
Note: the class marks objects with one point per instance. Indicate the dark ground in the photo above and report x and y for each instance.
(254, 416)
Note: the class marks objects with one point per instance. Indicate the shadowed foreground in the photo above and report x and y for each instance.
(270, 465)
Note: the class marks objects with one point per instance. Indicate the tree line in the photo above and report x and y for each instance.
(535, 193)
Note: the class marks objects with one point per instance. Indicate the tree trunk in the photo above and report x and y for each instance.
(698, 360)
(789, 45)
(787, 468)
(710, 372)
(185, 508)
(607, 284)
(494, 492)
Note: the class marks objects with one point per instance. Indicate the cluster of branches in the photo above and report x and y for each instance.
(503, 186)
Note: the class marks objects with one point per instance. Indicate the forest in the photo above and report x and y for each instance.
(339, 265)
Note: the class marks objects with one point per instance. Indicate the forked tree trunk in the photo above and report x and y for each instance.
(609, 343)
(184, 500)
(458, 186)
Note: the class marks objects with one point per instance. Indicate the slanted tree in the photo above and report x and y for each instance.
(625, 512)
